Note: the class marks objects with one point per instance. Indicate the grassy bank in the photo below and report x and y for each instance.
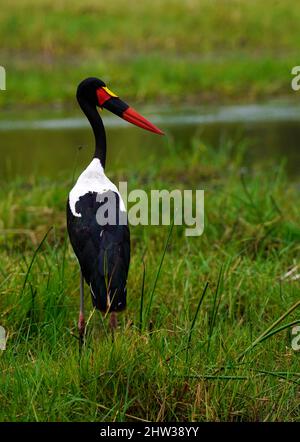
(194, 357)
(154, 50)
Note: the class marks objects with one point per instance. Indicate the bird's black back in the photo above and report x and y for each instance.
(103, 251)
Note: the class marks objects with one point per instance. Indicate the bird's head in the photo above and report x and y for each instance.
(96, 93)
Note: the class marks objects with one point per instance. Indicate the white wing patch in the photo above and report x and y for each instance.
(92, 179)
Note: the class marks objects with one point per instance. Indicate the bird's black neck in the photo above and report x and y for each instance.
(98, 129)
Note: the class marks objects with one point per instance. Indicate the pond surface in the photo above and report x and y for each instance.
(47, 145)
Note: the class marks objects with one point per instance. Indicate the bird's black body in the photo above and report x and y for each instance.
(103, 252)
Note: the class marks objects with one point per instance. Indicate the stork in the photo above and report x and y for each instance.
(96, 214)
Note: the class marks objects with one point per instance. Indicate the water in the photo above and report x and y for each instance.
(49, 144)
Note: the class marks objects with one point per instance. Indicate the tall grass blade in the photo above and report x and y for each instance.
(142, 298)
(214, 311)
(33, 259)
(194, 321)
(159, 268)
(279, 329)
(267, 333)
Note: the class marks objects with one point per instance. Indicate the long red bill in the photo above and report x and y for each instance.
(133, 117)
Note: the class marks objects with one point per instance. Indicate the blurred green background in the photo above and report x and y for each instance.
(193, 51)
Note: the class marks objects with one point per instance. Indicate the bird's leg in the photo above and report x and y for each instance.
(81, 323)
(113, 322)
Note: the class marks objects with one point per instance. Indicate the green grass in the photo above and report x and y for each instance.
(212, 345)
(170, 50)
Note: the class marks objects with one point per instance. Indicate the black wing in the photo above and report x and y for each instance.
(103, 251)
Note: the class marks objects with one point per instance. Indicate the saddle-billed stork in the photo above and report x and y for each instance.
(101, 243)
